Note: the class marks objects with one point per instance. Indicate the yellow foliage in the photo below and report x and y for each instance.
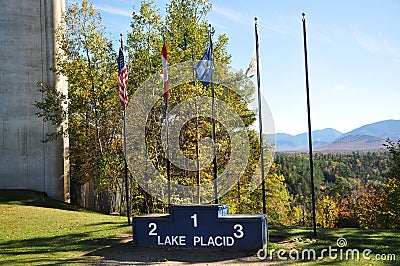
(327, 212)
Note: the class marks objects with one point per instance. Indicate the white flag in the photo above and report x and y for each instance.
(252, 68)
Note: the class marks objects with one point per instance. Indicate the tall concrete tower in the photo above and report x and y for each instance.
(27, 46)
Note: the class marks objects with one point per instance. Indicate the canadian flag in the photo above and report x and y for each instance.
(164, 72)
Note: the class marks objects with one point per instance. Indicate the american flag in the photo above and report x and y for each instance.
(122, 79)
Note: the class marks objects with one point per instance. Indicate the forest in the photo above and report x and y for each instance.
(352, 190)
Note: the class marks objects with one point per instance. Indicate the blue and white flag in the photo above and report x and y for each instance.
(205, 67)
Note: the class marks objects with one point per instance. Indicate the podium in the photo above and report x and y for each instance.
(201, 226)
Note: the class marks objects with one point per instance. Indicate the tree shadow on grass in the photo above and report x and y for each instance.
(33, 198)
(59, 249)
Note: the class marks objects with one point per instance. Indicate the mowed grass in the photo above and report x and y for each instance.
(36, 230)
(355, 246)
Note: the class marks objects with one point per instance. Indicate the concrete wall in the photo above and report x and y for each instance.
(26, 54)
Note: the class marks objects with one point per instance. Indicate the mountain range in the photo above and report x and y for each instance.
(366, 138)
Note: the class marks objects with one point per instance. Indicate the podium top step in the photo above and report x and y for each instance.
(200, 205)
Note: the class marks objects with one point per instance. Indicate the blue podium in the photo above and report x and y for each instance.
(199, 226)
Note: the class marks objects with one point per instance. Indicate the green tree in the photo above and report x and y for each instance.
(87, 59)
(392, 186)
(394, 150)
(184, 31)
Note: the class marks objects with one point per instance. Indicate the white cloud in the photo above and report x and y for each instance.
(367, 42)
(320, 34)
(340, 87)
(375, 45)
(271, 28)
(228, 13)
(393, 50)
(218, 25)
(115, 11)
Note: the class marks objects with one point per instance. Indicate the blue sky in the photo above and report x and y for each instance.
(353, 53)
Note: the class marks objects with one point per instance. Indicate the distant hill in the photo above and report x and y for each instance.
(352, 143)
(383, 129)
(287, 142)
(367, 137)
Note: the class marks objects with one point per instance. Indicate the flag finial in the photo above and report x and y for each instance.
(122, 45)
(211, 30)
(304, 15)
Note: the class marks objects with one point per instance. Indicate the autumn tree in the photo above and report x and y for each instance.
(185, 31)
(392, 186)
(327, 212)
(87, 59)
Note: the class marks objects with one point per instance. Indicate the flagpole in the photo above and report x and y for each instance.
(167, 151)
(128, 205)
(260, 118)
(197, 130)
(309, 127)
(197, 151)
(197, 122)
(215, 168)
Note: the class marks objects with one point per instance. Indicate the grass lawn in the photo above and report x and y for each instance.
(348, 246)
(36, 230)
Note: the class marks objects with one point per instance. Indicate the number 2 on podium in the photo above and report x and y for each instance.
(153, 228)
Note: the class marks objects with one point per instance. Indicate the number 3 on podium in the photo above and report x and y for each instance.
(239, 231)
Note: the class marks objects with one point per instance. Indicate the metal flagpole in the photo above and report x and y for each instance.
(197, 123)
(309, 128)
(128, 205)
(215, 168)
(260, 118)
(197, 136)
(167, 151)
(197, 139)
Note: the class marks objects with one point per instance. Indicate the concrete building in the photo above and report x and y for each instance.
(27, 45)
